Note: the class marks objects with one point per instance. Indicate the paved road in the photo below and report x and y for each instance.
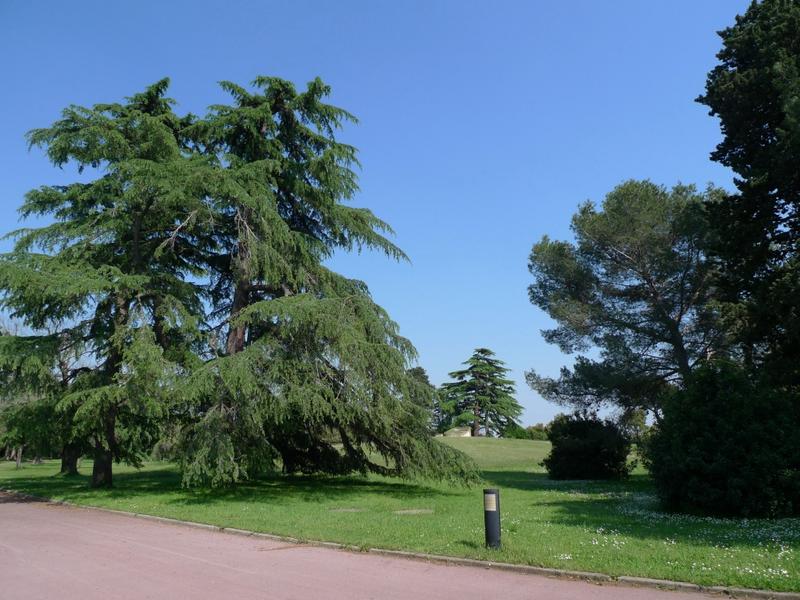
(62, 553)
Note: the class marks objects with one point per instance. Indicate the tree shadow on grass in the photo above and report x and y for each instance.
(527, 481)
(309, 488)
(630, 507)
(472, 545)
(128, 484)
(166, 481)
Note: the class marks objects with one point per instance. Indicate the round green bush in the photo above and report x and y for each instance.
(728, 446)
(585, 447)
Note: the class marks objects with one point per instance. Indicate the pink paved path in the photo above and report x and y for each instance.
(62, 553)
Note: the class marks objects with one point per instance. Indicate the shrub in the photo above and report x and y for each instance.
(728, 446)
(585, 447)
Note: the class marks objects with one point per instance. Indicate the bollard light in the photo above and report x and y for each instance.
(491, 517)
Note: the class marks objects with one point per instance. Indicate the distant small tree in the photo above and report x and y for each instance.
(634, 423)
(35, 372)
(30, 427)
(516, 432)
(482, 396)
(537, 432)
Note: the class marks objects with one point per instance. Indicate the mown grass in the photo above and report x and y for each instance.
(614, 528)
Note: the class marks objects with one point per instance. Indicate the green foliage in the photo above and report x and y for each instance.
(516, 432)
(312, 375)
(755, 93)
(31, 424)
(636, 286)
(442, 411)
(32, 368)
(728, 445)
(482, 396)
(536, 432)
(634, 424)
(106, 285)
(426, 396)
(585, 447)
(185, 281)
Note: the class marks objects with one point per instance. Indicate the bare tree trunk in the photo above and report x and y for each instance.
(19, 457)
(236, 334)
(104, 454)
(476, 423)
(37, 460)
(70, 454)
(101, 471)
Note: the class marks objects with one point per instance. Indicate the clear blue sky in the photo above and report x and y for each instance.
(483, 125)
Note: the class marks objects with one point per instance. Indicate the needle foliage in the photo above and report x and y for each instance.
(186, 283)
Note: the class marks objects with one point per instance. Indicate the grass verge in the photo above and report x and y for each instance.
(613, 528)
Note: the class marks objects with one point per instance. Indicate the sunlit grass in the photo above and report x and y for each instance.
(614, 528)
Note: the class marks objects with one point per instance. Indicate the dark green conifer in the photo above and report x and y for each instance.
(309, 373)
(187, 281)
(482, 396)
(109, 279)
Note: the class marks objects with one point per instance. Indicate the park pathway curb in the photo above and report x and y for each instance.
(599, 578)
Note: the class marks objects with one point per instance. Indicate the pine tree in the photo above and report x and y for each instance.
(308, 373)
(109, 279)
(482, 395)
(636, 285)
(186, 281)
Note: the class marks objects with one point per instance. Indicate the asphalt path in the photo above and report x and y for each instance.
(54, 552)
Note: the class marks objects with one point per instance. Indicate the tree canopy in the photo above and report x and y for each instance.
(187, 277)
(755, 92)
(634, 288)
(110, 277)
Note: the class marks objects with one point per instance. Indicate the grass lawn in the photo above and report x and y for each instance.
(612, 528)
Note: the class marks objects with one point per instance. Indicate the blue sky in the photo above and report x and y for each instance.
(482, 125)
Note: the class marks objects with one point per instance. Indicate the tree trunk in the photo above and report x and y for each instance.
(679, 351)
(19, 457)
(236, 335)
(69, 459)
(476, 423)
(37, 460)
(101, 471)
(241, 293)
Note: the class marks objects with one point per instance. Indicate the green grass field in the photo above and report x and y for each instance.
(613, 528)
